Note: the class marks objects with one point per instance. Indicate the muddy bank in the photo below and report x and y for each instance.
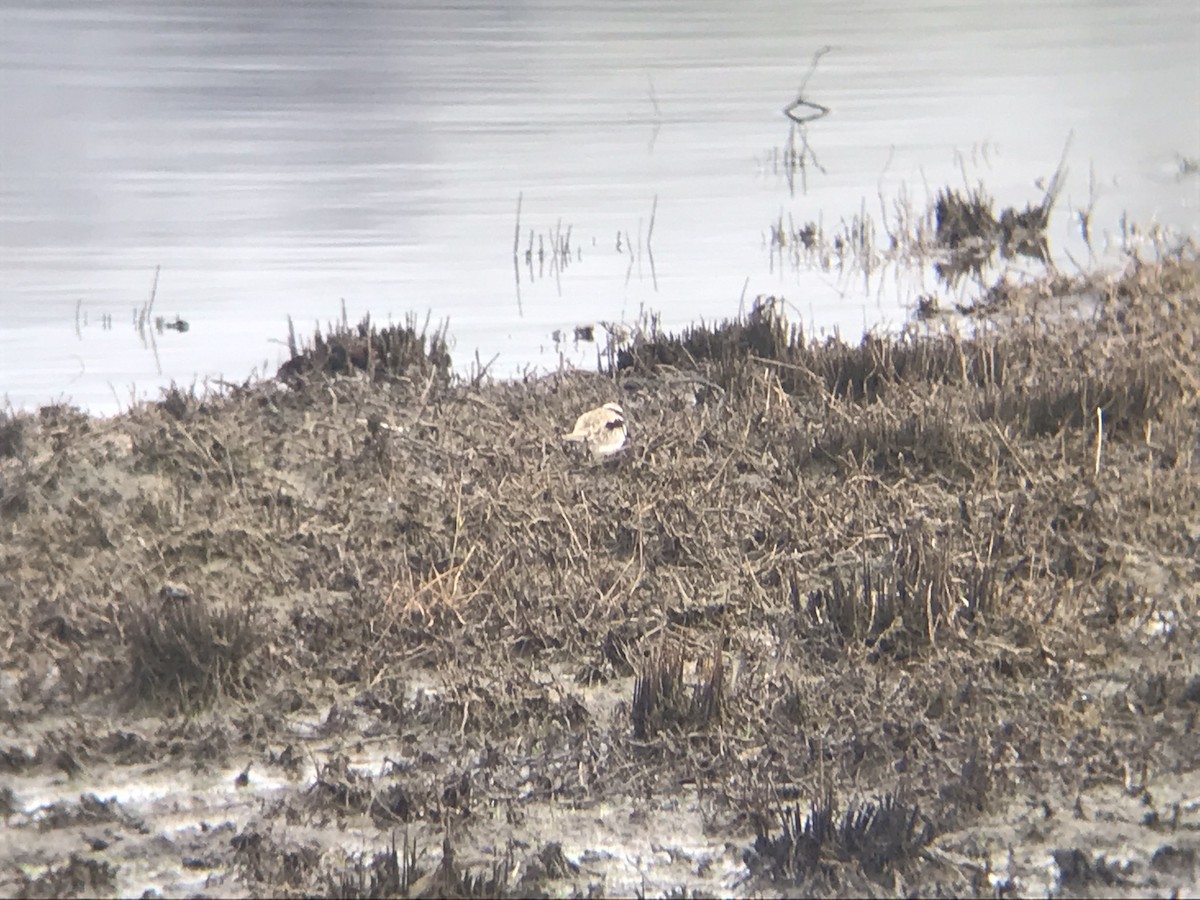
(902, 616)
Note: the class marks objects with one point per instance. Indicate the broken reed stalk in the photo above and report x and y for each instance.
(153, 293)
(1099, 437)
(814, 111)
(142, 316)
(650, 230)
(517, 228)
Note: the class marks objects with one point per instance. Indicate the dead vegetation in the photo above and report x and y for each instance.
(812, 851)
(892, 567)
(957, 232)
(184, 653)
(392, 873)
(396, 352)
(77, 877)
(662, 700)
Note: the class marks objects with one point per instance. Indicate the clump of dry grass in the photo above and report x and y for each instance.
(390, 873)
(12, 434)
(338, 786)
(663, 701)
(920, 590)
(179, 403)
(77, 877)
(261, 859)
(812, 850)
(958, 232)
(396, 872)
(185, 653)
(393, 351)
(959, 218)
(966, 220)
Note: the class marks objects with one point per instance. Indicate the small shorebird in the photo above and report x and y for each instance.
(602, 430)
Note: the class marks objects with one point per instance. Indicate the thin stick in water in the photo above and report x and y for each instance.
(517, 228)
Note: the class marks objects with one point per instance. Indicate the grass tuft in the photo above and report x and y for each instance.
(185, 654)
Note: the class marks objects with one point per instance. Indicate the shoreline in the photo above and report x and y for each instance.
(916, 586)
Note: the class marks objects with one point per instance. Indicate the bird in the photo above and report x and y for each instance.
(602, 430)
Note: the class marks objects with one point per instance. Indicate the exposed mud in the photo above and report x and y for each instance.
(907, 616)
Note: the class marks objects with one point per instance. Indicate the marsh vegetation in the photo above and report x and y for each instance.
(912, 614)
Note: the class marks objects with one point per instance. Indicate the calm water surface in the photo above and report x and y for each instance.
(279, 159)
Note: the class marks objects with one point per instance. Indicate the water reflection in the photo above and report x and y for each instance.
(275, 159)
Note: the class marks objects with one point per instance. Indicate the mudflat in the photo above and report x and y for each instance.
(912, 615)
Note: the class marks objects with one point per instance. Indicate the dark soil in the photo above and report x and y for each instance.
(916, 615)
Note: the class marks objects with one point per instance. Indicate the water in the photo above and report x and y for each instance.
(277, 159)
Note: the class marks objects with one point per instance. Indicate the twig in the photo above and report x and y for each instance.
(517, 229)
(1013, 452)
(817, 110)
(153, 293)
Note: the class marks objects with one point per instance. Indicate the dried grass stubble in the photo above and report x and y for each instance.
(268, 863)
(1022, 543)
(14, 430)
(663, 701)
(392, 352)
(894, 542)
(814, 848)
(674, 530)
(399, 873)
(768, 539)
(77, 877)
(185, 653)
